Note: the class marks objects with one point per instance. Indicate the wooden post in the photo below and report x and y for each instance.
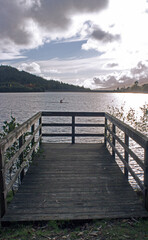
(113, 139)
(40, 131)
(3, 202)
(105, 131)
(21, 157)
(126, 155)
(73, 129)
(33, 140)
(146, 178)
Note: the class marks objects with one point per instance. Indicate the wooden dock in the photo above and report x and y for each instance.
(74, 181)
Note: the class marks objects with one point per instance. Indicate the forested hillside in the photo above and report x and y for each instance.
(13, 80)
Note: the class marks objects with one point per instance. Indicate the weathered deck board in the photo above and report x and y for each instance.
(74, 181)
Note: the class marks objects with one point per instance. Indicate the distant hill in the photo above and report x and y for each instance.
(13, 80)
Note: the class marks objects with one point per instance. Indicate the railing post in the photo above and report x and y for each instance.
(73, 129)
(40, 131)
(33, 140)
(146, 178)
(105, 131)
(113, 139)
(3, 202)
(126, 155)
(21, 142)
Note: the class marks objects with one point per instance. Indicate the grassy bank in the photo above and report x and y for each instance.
(132, 229)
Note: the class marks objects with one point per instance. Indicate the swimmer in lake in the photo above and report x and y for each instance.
(61, 101)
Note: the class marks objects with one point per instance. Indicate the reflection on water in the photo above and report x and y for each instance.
(24, 105)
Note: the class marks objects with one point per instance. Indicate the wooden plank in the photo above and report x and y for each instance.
(73, 130)
(75, 209)
(74, 181)
(70, 125)
(75, 216)
(3, 202)
(8, 187)
(146, 178)
(77, 114)
(65, 202)
(70, 135)
(72, 196)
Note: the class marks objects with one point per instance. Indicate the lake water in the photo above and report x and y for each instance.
(23, 105)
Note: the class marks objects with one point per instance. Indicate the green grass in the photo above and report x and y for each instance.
(135, 229)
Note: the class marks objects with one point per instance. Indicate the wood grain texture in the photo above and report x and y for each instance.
(74, 181)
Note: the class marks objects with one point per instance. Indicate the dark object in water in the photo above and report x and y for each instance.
(61, 101)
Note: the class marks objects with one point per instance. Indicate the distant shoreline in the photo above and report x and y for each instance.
(64, 91)
(114, 91)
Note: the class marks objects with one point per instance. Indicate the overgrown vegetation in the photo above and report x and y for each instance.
(8, 127)
(140, 123)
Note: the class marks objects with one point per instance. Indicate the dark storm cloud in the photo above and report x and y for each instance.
(12, 22)
(105, 37)
(57, 13)
(49, 14)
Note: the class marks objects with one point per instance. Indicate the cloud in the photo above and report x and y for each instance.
(112, 65)
(28, 24)
(13, 22)
(106, 82)
(57, 14)
(105, 37)
(141, 70)
(98, 81)
(101, 40)
(30, 67)
(123, 78)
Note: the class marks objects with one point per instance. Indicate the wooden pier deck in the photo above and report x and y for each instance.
(74, 181)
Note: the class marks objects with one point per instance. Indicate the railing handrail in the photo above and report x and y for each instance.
(73, 124)
(18, 132)
(17, 136)
(138, 137)
(77, 114)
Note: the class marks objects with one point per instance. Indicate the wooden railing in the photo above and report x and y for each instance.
(34, 125)
(39, 129)
(111, 123)
(73, 124)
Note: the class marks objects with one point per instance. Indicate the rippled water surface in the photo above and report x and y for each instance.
(24, 105)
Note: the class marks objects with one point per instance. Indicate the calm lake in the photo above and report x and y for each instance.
(24, 105)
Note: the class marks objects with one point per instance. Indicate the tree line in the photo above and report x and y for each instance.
(13, 80)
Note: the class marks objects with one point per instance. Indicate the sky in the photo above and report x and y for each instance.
(92, 43)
